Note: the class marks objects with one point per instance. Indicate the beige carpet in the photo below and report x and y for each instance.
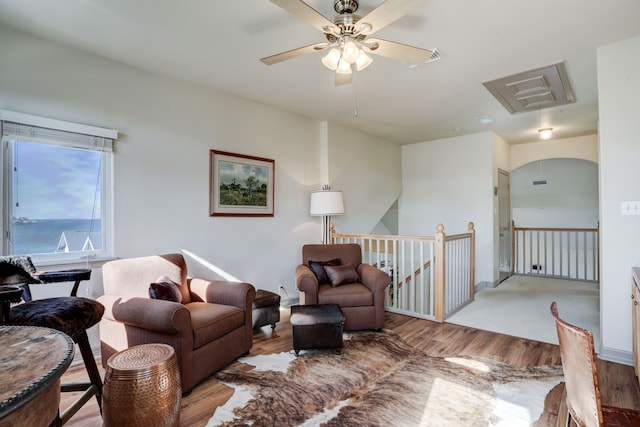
(380, 380)
(519, 306)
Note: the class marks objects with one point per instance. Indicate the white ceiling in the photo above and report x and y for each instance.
(219, 43)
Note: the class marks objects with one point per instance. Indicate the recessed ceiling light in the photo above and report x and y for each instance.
(484, 119)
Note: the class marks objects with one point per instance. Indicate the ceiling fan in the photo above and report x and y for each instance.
(348, 38)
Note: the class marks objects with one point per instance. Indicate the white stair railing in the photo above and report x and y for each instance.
(562, 253)
(430, 277)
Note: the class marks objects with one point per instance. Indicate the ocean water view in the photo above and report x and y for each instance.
(42, 236)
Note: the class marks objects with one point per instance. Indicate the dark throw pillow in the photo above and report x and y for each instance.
(318, 269)
(165, 289)
(342, 274)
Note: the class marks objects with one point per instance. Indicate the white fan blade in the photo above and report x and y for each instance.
(305, 12)
(342, 79)
(388, 12)
(402, 52)
(290, 54)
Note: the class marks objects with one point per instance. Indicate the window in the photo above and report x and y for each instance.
(56, 189)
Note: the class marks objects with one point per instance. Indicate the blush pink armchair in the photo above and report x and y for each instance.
(208, 329)
(361, 300)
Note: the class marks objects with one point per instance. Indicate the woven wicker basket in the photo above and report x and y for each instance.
(142, 387)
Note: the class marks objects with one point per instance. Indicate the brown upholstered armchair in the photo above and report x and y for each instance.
(360, 297)
(209, 328)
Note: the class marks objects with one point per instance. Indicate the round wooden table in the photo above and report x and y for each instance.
(32, 361)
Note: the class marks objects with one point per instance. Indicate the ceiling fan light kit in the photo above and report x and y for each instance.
(347, 36)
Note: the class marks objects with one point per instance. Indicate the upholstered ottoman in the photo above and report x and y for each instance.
(316, 326)
(266, 309)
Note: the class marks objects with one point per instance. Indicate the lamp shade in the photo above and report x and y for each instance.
(326, 202)
(331, 59)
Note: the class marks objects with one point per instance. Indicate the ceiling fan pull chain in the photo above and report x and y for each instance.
(355, 98)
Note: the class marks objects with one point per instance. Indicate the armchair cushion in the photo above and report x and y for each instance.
(351, 295)
(318, 268)
(166, 289)
(211, 321)
(342, 274)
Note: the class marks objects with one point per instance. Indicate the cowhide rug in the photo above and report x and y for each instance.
(379, 380)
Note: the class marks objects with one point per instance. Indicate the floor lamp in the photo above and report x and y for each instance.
(325, 203)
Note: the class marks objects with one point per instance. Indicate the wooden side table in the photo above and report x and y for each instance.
(31, 363)
(142, 387)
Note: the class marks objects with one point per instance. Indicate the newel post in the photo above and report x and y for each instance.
(472, 261)
(439, 288)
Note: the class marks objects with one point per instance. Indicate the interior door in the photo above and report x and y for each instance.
(504, 224)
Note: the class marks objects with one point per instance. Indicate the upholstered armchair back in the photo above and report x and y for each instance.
(131, 277)
(348, 252)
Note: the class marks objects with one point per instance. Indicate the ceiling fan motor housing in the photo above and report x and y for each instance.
(345, 6)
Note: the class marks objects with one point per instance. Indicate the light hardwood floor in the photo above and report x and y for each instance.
(619, 386)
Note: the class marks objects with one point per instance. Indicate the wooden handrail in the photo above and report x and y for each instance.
(457, 237)
(554, 229)
(408, 278)
(386, 237)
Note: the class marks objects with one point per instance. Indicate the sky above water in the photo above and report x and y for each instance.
(53, 182)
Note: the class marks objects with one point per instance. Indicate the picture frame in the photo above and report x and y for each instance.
(240, 185)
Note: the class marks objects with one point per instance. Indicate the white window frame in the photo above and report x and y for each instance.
(61, 133)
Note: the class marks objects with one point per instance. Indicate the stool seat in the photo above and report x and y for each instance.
(71, 315)
(265, 309)
(265, 298)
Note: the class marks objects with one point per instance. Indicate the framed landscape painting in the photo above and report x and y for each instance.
(240, 185)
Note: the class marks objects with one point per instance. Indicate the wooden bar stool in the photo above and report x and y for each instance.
(71, 315)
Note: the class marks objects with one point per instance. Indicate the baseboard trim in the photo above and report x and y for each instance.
(483, 285)
(288, 302)
(615, 355)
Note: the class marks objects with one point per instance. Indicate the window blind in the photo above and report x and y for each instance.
(33, 128)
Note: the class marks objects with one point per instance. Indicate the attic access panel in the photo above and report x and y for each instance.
(532, 90)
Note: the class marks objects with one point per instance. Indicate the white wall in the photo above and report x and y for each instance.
(581, 147)
(619, 152)
(161, 163)
(569, 199)
(525, 160)
(368, 170)
(450, 181)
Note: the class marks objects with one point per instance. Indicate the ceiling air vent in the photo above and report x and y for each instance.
(539, 182)
(435, 56)
(534, 89)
